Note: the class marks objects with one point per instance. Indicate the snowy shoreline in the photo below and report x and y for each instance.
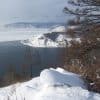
(52, 84)
(56, 37)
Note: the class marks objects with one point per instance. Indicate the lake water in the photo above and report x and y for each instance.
(15, 54)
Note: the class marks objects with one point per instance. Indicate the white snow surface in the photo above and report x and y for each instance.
(52, 84)
(56, 37)
(54, 77)
(49, 39)
(42, 40)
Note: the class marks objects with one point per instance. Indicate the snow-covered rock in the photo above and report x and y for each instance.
(56, 37)
(50, 40)
(47, 40)
(52, 84)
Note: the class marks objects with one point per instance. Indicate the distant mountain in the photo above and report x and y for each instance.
(31, 24)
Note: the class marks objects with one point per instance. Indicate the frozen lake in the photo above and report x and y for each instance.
(12, 34)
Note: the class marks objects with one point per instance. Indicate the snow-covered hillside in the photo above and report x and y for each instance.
(47, 40)
(52, 84)
(56, 37)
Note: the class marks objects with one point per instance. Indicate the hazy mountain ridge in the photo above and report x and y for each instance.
(31, 24)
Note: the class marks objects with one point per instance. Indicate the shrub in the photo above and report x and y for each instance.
(84, 58)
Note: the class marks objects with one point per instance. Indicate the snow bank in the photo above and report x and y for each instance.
(52, 84)
(55, 38)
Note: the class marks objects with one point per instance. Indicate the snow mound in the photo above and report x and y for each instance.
(52, 77)
(65, 93)
(52, 84)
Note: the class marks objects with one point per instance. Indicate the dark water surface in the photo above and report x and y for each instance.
(18, 56)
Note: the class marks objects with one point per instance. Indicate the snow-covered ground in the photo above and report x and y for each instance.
(52, 84)
(46, 40)
(56, 37)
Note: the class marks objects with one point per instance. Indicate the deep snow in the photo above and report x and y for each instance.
(52, 84)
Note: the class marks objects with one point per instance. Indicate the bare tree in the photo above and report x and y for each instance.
(84, 57)
(87, 14)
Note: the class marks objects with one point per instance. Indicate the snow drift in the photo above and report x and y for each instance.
(52, 84)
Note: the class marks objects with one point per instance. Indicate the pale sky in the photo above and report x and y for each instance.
(32, 11)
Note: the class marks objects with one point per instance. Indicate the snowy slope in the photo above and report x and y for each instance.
(46, 40)
(56, 37)
(52, 84)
